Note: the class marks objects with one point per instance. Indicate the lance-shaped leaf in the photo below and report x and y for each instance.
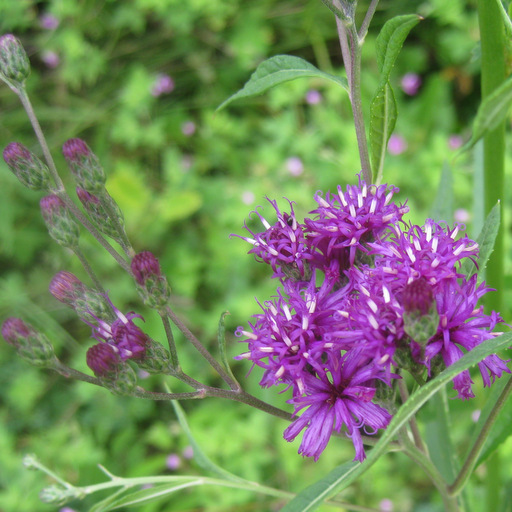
(341, 477)
(383, 111)
(279, 69)
(485, 241)
(492, 111)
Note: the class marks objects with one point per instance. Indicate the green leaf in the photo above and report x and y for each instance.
(279, 69)
(442, 209)
(199, 456)
(221, 339)
(390, 41)
(342, 476)
(383, 114)
(492, 111)
(485, 241)
(383, 110)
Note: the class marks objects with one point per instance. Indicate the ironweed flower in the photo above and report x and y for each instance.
(346, 222)
(152, 285)
(27, 167)
(103, 359)
(338, 397)
(282, 245)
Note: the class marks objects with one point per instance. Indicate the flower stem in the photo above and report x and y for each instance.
(170, 339)
(90, 272)
(469, 463)
(404, 395)
(493, 75)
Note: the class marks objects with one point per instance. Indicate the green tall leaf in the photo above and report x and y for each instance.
(277, 70)
(383, 111)
(492, 111)
(442, 209)
(342, 476)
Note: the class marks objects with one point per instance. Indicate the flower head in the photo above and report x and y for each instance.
(14, 63)
(84, 165)
(61, 226)
(102, 359)
(27, 167)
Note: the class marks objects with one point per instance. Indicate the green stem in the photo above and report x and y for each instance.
(493, 75)
(469, 463)
(90, 272)
(367, 20)
(170, 339)
(404, 395)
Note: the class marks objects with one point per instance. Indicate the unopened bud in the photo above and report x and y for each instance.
(27, 167)
(103, 360)
(88, 303)
(31, 345)
(14, 63)
(421, 319)
(152, 285)
(124, 382)
(84, 165)
(100, 216)
(30, 462)
(157, 358)
(61, 226)
(58, 495)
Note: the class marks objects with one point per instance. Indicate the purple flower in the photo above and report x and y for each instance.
(49, 21)
(163, 84)
(455, 141)
(281, 245)
(103, 359)
(173, 462)
(463, 325)
(127, 340)
(67, 288)
(340, 396)
(313, 97)
(396, 144)
(295, 166)
(346, 222)
(145, 266)
(50, 58)
(410, 83)
(188, 128)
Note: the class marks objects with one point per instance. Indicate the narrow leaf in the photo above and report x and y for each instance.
(442, 208)
(485, 241)
(383, 114)
(492, 111)
(221, 339)
(279, 69)
(390, 41)
(199, 456)
(342, 476)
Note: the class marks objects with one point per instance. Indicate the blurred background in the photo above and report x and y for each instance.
(140, 80)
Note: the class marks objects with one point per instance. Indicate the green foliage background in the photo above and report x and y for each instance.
(183, 196)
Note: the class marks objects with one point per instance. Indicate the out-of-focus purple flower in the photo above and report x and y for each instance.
(313, 97)
(455, 141)
(48, 21)
(188, 128)
(187, 161)
(475, 415)
(386, 505)
(397, 144)
(163, 84)
(173, 462)
(338, 397)
(295, 166)
(461, 215)
(188, 452)
(411, 82)
(248, 197)
(280, 245)
(50, 58)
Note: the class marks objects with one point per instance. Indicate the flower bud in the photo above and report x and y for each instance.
(152, 285)
(103, 360)
(14, 63)
(27, 167)
(100, 216)
(31, 345)
(84, 165)
(157, 358)
(66, 287)
(61, 226)
(421, 319)
(58, 495)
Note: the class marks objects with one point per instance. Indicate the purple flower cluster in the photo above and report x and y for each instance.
(363, 296)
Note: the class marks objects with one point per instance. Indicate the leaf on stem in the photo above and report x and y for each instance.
(491, 112)
(341, 477)
(485, 241)
(383, 111)
(277, 70)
